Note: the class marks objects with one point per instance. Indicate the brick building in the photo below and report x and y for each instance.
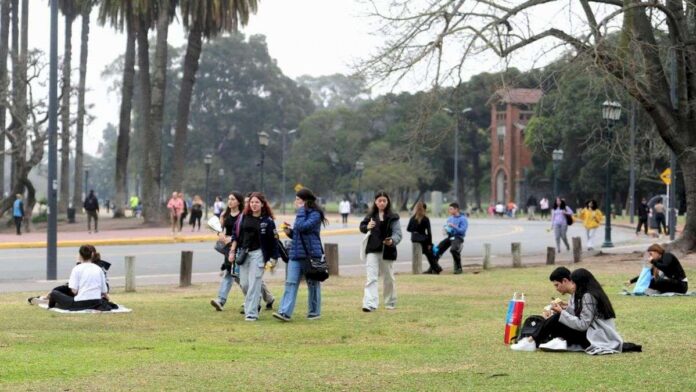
(511, 109)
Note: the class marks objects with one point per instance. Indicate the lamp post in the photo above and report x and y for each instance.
(51, 232)
(611, 112)
(207, 160)
(359, 167)
(263, 142)
(557, 156)
(456, 149)
(283, 135)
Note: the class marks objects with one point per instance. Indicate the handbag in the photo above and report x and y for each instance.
(418, 237)
(283, 251)
(222, 247)
(643, 282)
(363, 246)
(241, 255)
(318, 268)
(569, 219)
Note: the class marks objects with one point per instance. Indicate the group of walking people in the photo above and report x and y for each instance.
(179, 208)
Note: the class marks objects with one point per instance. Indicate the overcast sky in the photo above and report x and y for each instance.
(315, 37)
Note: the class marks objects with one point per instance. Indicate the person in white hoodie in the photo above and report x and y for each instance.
(87, 285)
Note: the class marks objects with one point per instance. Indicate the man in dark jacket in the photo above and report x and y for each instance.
(643, 210)
(91, 206)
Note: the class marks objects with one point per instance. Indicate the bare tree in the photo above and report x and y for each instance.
(655, 42)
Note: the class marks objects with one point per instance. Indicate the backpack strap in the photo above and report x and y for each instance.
(238, 225)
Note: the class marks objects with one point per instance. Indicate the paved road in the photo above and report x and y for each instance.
(28, 265)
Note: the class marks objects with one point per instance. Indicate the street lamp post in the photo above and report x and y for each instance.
(611, 112)
(263, 142)
(51, 232)
(207, 160)
(359, 167)
(456, 150)
(283, 135)
(557, 156)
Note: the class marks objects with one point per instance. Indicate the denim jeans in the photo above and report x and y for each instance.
(296, 269)
(225, 286)
(250, 278)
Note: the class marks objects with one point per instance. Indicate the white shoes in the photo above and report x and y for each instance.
(556, 344)
(526, 344)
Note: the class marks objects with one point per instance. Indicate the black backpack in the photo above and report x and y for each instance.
(531, 326)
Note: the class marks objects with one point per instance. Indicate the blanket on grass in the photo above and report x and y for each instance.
(121, 309)
(655, 294)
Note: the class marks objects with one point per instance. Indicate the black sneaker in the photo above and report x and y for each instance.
(269, 305)
(281, 316)
(217, 305)
(367, 310)
(428, 272)
(458, 272)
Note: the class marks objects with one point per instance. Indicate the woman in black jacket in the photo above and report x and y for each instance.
(380, 252)
(421, 233)
(668, 274)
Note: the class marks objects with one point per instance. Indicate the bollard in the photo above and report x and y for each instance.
(577, 249)
(486, 256)
(331, 252)
(130, 274)
(186, 268)
(550, 255)
(416, 258)
(516, 255)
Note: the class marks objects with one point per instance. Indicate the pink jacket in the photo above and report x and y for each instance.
(176, 205)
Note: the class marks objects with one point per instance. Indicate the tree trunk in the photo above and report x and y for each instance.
(84, 39)
(4, 47)
(64, 195)
(687, 161)
(19, 151)
(123, 142)
(145, 93)
(152, 209)
(193, 54)
(14, 55)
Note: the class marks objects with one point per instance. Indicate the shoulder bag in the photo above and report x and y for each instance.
(318, 268)
(240, 256)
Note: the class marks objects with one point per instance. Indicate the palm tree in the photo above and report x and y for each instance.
(206, 18)
(67, 7)
(84, 7)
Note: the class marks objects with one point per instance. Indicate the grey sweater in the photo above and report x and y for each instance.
(601, 333)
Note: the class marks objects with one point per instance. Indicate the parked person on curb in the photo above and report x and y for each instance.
(259, 239)
(230, 271)
(421, 233)
(591, 218)
(455, 231)
(643, 211)
(531, 207)
(218, 206)
(18, 213)
(544, 207)
(185, 212)
(659, 215)
(306, 244)
(344, 210)
(380, 252)
(560, 215)
(91, 206)
(197, 212)
(586, 321)
(668, 276)
(176, 208)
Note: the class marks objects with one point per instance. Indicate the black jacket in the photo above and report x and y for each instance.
(643, 210)
(423, 228)
(669, 264)
(393, 231)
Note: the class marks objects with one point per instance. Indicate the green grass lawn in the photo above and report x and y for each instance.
(446, 335)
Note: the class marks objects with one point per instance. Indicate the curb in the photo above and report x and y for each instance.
(145, 240)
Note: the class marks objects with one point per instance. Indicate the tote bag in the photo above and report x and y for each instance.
(643, 281)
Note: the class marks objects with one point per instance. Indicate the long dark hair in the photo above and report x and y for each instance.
(585, 282)
(592, 204)
(310, 202)
(374, 211)
(562, 206)
(265, 208)
(228, 210)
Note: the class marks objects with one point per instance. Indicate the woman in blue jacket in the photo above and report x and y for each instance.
(305, 239)
(258, 237)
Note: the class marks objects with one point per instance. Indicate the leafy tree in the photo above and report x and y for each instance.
(333, 91)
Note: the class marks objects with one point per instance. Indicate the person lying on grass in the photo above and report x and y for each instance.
(586, 321)
(86, 288)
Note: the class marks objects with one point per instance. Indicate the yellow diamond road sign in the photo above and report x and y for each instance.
(666, 176)
(298, 187)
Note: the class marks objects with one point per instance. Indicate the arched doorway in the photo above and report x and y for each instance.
(500, 184)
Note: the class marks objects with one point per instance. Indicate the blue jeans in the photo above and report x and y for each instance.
(296, 269)
(225, 286)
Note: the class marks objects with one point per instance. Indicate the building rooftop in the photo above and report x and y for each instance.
(517, 95)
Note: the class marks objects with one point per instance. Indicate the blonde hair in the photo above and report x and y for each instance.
(419, 211)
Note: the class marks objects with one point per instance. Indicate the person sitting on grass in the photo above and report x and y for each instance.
(668, 276)
(586, 321)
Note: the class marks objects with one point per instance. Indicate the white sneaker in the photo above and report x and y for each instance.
(556, 344)
(526, 344)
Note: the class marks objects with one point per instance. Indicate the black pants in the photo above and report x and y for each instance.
(92, 215)
(59, 299)
(432, 260)
(642, 222)
(669, 285)
(660, 221)
(195, 218)
(344, 218)
(181, 220)
(553, 328)
(18, 224)
(456, 250)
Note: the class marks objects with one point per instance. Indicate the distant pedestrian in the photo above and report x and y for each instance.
(344, 210)
(499, 209)
(197, 212)
(18, 213)
(134, 202)
(643, 211)
(184, 213)
(591, 218)
(380, 252)
(218, 206)
(422, 233)
(107, 204)
(455, 230)
(544, 207)
(91, 206)
(175, 205)
(531, 207)
(659, 216)
(560, 214)
(511, 209)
